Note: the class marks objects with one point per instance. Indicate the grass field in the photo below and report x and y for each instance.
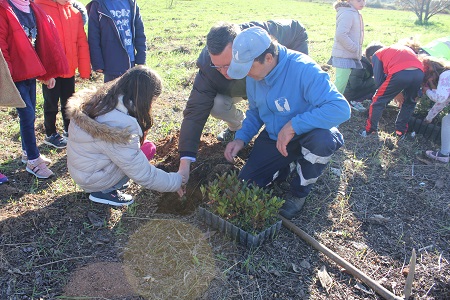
(185, 24)
(378, 200)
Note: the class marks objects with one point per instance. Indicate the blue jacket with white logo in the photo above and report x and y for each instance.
(105, 45)
(295, 90)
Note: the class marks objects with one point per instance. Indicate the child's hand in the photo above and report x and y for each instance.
(182, 191)
(50, 83)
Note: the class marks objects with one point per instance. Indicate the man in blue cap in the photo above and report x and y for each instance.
(214, 93)
(300, 108)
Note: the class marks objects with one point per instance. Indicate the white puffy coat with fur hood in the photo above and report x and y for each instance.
(101, 151)
(349, 34)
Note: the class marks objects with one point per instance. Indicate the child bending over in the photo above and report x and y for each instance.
(437, 87)
(396, 69)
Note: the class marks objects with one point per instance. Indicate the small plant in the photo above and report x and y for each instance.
(247, 206)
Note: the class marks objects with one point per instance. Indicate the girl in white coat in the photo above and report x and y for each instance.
(106, 132)
(347, 48)
(437, 88)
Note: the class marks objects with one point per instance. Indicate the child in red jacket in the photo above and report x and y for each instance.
(31, 47)
(396, 69)
(69, 23)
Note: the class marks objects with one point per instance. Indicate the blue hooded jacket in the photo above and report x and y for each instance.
(295, 90)
(105, 45)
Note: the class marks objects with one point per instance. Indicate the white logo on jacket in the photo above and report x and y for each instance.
(282, 104)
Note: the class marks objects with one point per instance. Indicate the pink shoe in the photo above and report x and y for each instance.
(149, 149)
(39, 169)
(437, 155)
(3, 178)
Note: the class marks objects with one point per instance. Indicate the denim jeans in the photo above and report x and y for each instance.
(27, 115)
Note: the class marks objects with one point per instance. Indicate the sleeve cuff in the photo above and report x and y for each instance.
(192, 159)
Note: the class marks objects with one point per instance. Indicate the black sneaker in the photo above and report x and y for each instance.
(226, 136)
(114, 198)
(55, 140)
(291, 207)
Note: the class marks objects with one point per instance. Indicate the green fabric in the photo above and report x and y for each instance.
(342, 76)
(439, 48)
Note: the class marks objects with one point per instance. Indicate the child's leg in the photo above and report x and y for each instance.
(27, 115)
(415, 78)
(386, 92)
(51, 99)
(341, 81)
(445, 135)
(67, 90)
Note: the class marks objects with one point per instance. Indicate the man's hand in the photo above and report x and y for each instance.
(232, 149)
(184, 169)
(284, 137)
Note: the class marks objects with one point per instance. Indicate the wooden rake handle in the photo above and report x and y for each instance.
(378, 288)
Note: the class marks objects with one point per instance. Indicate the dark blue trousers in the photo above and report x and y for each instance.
(406, 81)
(309, 153)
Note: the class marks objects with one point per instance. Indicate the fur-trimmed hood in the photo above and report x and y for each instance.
(98, 128)
(339, 4)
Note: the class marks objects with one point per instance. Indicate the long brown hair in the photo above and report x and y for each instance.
(139, 86)
(433, 68)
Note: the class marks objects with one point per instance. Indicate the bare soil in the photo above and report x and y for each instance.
(379, 199)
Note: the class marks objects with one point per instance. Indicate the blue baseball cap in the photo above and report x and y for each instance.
(248, 45)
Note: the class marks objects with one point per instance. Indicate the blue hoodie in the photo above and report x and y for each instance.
(295, 90)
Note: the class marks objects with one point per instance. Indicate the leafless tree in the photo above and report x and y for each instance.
(424, 9)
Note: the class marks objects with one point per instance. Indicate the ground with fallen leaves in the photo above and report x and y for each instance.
(378, 200)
